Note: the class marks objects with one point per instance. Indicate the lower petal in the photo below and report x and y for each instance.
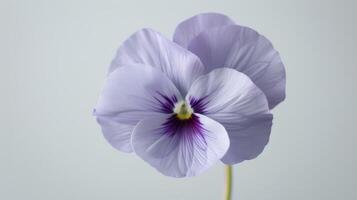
(188, 151)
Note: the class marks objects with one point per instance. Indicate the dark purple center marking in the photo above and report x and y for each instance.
(166, 104)
(191, 128)
(198, 105)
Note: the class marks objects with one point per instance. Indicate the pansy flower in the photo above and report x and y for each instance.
(185, 104)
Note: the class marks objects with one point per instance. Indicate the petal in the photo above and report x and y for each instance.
(232, 99)
(130, 94)
(117, 134)
(151, 48)
(251, 137)
(180, 152)
(247, 51)
(136, 90)
(187, 30)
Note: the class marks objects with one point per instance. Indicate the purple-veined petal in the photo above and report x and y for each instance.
(247, 51)
(180, 148)
(130, 94)
(152, 48)
(187, 30)
(232, 99)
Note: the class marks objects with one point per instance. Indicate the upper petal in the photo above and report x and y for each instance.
(180, 151)
(247, 51)
(232, 99)
(187, 30)
(130, 94)
(152, 48)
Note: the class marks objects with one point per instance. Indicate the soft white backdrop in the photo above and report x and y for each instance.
(53, 60)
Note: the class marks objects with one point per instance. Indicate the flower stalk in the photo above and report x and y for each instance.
(229, 180)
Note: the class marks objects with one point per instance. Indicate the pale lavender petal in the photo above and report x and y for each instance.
(180, 148)
(130, 94)
(117, 134)
(247, 51)
(251, 138)
(232, 99)
(152, 48)
(187, 30)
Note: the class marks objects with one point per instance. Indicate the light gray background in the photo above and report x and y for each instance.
(54, 56)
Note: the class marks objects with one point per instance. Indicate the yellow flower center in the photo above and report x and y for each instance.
(183, 110)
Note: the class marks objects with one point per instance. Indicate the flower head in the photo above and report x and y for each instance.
(181, 106)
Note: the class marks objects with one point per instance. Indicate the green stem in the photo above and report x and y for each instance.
(228, 193)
